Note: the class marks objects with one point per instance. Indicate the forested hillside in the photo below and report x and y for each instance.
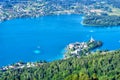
(97, 66)
(102, 20)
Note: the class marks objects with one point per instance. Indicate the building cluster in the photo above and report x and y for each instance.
(20, 65)
(18, 9)
(77, 47)
(81, 48)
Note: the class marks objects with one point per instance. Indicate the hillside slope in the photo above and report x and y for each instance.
(97, 66)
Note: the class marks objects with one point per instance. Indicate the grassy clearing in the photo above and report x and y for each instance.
(115, 11)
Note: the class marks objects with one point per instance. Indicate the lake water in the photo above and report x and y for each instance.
(46, 37)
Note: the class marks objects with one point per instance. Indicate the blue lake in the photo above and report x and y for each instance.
(45, 38)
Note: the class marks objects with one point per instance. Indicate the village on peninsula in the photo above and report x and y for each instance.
(78, 49)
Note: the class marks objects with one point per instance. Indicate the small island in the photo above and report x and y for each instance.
(78, 49)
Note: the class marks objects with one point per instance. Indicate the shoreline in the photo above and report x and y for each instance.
(32, 17)
(21, 65)
(63, 14)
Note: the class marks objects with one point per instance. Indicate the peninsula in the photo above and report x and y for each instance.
(79, 49)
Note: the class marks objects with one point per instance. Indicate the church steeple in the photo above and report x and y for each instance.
(91, 39)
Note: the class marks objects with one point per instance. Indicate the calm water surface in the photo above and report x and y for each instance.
(45, 38)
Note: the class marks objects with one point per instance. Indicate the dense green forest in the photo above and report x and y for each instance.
(97, 66)
(101, 20)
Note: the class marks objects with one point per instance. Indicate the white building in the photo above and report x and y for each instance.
(92, 40)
